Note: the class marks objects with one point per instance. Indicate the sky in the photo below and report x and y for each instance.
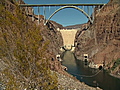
(65, 17)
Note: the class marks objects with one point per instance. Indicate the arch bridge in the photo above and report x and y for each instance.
(86, 9)
(68, 35)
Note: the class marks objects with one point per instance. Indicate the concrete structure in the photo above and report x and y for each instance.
(85, 57)
(64, 6)
(58, 57)
(96, 66)
(68, 36)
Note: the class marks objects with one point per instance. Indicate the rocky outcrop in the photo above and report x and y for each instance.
(102, 40)
(27, 50)
(67, 83)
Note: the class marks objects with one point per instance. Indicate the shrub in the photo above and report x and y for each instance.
(116, 63)
(23, 53)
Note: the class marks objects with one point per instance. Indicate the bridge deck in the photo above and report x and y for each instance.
(41, 5)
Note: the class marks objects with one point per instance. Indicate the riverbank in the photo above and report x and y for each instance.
(116, 76)
(101, 66)
(68, 83)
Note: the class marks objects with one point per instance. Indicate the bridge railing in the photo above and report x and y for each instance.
(41, 5)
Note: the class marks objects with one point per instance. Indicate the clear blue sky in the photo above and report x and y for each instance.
(68, 16)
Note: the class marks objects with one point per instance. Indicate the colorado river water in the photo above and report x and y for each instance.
(77, 68)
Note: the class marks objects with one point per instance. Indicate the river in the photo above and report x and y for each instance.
(78, 68)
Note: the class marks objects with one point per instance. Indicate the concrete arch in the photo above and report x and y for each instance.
(70, 7)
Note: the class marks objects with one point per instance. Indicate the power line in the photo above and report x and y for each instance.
(86, 75)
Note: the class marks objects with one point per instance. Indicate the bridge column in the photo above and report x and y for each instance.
(26, 10)
(99, 8)
(88, 9)
(32, 14)
(83, 8)
(38, 15)
(93, 10)
(44, 12)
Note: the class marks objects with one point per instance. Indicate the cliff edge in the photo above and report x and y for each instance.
(102, 40)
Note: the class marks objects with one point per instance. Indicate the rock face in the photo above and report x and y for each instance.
(27, 50)
(67, 83)
(102, 40)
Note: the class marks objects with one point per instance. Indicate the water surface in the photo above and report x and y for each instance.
(78, 68)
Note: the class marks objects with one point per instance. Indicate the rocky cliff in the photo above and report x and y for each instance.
(27, 50)
(102, 40)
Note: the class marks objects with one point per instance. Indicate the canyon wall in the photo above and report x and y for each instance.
(102, 40)
(27, 50)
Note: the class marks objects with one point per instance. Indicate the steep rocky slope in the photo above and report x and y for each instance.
(102, 40)
(27, 50)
